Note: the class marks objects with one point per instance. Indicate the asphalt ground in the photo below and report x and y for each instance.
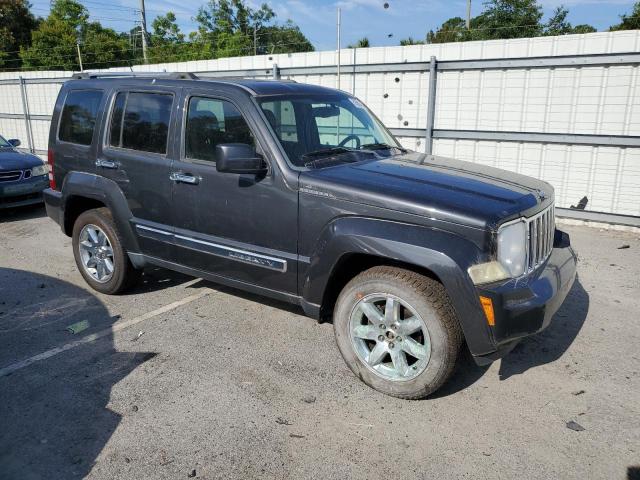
(184, 379)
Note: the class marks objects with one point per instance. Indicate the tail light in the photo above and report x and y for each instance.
(52, 179)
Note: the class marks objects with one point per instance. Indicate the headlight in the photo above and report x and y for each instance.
(512, 256)
(40, 170)
(487, 273)
(512, 248)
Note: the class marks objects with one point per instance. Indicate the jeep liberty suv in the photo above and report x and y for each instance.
(300, 193)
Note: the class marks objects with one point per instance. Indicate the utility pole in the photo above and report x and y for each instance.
(255, 40)
(79, 55)
(143, 26)
(338, 50)
(468, 14)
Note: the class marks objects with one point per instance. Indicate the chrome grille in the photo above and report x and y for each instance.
(10, 176)
(541, 228)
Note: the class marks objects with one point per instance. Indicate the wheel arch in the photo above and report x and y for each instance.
(85, 191)
(351, 245)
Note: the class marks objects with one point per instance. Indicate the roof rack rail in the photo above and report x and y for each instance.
(168, 75)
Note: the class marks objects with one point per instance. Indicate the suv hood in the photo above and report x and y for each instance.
(11, 159)
(441, 188)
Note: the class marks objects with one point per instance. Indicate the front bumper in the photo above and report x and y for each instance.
(525, 306)
(23, 192)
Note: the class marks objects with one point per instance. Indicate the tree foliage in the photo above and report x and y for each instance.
(225, 28)
(362, 43)
(629, 22)
(232, 28)
(558, 24)
(410, 41)
(507, 19)
(16, 23)
(53, 43)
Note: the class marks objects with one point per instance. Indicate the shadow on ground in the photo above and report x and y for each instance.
(55, 419)
(28, 212)
(549, 345)
(545, 347)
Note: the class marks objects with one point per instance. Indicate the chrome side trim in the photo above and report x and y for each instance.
(154, 230)
(231, 253)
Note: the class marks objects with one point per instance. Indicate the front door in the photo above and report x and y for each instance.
(239, 226)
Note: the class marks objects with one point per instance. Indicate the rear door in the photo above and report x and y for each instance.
(74, 146)
(136, 154)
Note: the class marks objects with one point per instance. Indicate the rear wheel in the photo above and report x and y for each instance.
(397, 331)
(100, 254)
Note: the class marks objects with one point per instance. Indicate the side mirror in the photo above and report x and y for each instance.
(239, 158)
(14, 142)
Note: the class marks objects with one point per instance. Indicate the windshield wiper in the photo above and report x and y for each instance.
(324, 152)
(331, 156)
(382, 146)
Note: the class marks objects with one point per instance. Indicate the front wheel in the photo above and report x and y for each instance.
(397, 331)
(100, 254)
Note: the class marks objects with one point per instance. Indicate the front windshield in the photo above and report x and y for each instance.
(4, 143)
(318, 131)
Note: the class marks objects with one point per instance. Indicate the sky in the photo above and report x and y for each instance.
(360, 18)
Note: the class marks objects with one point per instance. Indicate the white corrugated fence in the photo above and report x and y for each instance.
(596, 105)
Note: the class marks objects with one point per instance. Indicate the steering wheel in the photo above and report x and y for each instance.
(348, 138)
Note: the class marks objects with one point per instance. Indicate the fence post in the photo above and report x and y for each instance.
(431, 105)
(275, 72)
(27, 118)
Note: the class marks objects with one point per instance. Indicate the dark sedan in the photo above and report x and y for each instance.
(23, 176)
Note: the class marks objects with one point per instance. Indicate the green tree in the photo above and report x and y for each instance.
(558, 24)
(168, 43)
(232, 28)
(411, 41)
(629, 22)
(362, 43)
(284, 38)
(453, 30)
(507, 19)
(16, 23)
(53, 43)
(103, 47)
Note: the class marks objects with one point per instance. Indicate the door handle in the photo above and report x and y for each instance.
(107, 164)
(180, 177)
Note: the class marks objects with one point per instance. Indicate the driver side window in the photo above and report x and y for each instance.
(211, 122)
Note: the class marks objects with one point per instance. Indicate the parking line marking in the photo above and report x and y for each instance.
(102, 333)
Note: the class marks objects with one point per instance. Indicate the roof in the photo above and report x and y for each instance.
(256, 87)
(276, 87)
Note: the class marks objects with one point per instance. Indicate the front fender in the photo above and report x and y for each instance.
(446, 255)
(106, 191)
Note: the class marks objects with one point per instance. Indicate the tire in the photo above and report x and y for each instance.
(429, 353)
(123, 275)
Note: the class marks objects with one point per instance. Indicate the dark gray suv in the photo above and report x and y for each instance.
(300, 193)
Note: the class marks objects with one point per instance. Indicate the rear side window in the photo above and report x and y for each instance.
(140, 121)
(78, 119)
